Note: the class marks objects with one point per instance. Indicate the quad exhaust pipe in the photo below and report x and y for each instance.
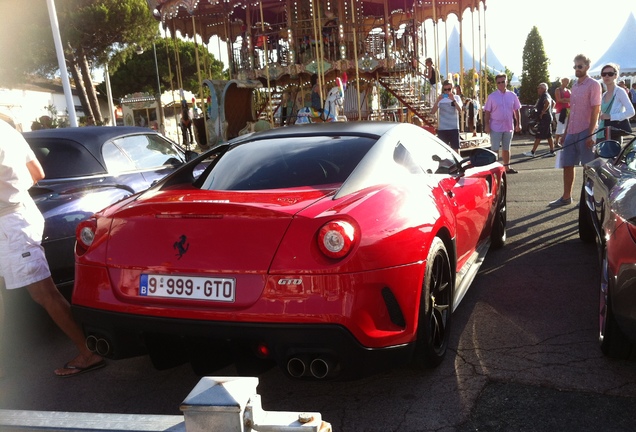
(98, 345)
(319, 367)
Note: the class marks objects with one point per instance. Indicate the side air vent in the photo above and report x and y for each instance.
(392, 306)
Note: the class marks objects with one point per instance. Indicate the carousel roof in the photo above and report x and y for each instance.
(227, 18)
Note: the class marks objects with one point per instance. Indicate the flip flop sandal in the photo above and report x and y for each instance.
(80, 370)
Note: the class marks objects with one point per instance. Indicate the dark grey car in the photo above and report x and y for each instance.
(88, 169)
(607, 214)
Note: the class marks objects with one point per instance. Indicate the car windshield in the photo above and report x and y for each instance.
(62, 158)
(287, 162)
(144, 151)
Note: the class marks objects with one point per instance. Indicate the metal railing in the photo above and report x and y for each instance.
(228, 404)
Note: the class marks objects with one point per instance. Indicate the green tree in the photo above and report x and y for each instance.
(93, 32)
(139, 74)
(535, 67)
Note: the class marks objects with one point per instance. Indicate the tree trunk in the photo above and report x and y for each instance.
(88, 85)
(79, 85)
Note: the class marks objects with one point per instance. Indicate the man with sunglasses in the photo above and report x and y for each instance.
(585, 105)
(449, 106)
(501, 119)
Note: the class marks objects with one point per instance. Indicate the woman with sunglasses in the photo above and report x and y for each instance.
(449, 106)
(615, 104)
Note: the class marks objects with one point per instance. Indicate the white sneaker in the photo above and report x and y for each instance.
(529, 154)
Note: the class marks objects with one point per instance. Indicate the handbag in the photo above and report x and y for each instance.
(563, 115)
(623, 125)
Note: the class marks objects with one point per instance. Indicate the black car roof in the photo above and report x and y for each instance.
(90, 136)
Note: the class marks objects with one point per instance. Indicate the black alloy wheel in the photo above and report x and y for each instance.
(434, 324)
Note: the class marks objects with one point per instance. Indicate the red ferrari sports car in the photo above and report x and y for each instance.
(330, 249)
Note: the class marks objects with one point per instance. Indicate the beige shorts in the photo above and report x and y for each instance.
(560, 129)
(22, 259)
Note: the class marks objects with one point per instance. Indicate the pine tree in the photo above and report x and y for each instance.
(535, 67)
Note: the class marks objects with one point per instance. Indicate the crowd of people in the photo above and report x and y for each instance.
(585, 114)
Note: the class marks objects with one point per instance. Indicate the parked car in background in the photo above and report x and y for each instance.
(86, 170)
(607, 215)
(331, 249)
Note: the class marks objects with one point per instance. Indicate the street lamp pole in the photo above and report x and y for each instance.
(109, 95)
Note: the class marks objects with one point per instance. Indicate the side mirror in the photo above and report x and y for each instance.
(478, 157)
(608, 149)
(190, 155)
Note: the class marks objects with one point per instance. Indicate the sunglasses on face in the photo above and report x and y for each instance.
(448, 89)
(501, 82)
(579, 66)
(609, 74)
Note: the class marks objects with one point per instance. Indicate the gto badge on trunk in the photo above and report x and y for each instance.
(288, 281)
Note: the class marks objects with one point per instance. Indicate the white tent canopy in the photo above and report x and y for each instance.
(493, 64)
(620, 52)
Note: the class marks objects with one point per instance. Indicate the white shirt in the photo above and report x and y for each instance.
(15, 178)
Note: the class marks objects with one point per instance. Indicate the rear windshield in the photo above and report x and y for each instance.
(287, 162)
(61, 158)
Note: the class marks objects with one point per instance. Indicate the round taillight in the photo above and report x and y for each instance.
(85, 234)
(335, 238)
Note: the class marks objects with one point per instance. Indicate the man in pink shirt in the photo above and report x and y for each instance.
(501, 119)
(585, 105)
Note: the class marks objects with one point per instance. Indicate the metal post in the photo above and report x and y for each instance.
(109, 95)
(70, 105)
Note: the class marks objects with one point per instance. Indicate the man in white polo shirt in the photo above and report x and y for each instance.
(22, 260)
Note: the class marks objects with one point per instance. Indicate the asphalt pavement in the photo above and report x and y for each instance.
(523, 353)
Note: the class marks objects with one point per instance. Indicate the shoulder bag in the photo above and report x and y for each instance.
(623, 125)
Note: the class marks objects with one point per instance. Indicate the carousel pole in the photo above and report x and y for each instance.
(436, 41)
(472, 18)
(483, 83)
(483, 80)
(231, 66)
(177, 57)
(355, 57)
(316, 11)
(447, 53)
(485, 45)
(174, 103)
(196, 51)
(461, 53)
(270, 117)
(461, 70)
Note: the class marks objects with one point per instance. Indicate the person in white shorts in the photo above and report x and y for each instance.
(22, 260)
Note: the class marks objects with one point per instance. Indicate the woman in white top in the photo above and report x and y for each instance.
(450, 108)
(615, 104)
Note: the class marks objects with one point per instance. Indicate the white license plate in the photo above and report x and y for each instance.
(188, 287)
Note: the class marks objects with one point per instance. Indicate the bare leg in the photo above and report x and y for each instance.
(568, 182)
(536, 144)
(506, 157)
(46, 294)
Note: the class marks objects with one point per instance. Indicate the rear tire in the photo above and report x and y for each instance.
(587, 234)
(498, 234)
(613, 341)
(434, 323)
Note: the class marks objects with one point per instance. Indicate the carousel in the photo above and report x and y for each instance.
(297, 61)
